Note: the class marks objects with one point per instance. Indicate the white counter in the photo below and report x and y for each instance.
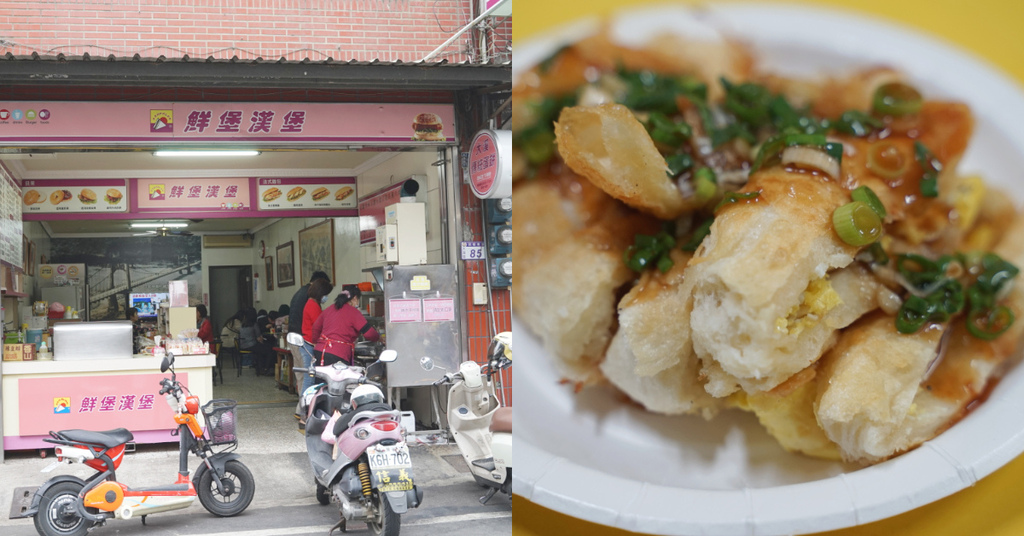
(96, 394)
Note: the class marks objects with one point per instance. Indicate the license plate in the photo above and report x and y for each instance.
(390, 467)
(389, 456)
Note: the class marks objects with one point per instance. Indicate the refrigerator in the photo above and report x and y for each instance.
(65, 283)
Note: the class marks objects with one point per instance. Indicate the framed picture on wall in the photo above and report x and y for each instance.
(316, 250)
(286, 264)
(270, 271)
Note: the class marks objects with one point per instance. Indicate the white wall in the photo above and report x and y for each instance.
(395, 171)
(346, 256)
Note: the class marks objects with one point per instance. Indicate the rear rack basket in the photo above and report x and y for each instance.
(221, 421)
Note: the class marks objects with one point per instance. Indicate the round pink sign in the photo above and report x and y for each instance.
(483, 163)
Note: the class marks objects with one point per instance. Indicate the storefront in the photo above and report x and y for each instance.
(79, 167)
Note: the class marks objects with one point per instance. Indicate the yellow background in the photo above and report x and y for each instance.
(991, 29)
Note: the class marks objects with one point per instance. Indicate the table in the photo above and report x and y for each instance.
(984, 27)
(283, 370)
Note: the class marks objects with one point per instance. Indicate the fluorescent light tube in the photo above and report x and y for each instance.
(172, 152)
(159, 225)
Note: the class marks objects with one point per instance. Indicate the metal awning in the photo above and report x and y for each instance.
(86, 70)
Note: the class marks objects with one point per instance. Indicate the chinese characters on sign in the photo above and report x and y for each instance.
(322, 193)
(234, 121)
(114, 403)
(195, 194)
(91, 196)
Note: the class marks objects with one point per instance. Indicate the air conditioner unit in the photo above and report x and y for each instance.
(227, 241)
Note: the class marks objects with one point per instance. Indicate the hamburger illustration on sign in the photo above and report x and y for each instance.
(344, 192)
(427, 127)
(87, 196)
(33, 196)
(59, 196)
(113, 196)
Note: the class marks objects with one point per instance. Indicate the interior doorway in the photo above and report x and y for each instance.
(230, 291)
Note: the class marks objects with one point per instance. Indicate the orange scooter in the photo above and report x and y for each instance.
(69, 506)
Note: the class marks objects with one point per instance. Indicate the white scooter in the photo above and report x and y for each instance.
(480, 426)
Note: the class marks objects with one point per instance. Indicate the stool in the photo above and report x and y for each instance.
(220, 363)
(240, 352)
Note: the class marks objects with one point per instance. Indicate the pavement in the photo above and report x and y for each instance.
(285, 500)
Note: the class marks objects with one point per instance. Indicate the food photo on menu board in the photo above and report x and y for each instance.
(74, 197)
(301, 193)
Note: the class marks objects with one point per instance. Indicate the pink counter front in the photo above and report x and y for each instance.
(94, 394)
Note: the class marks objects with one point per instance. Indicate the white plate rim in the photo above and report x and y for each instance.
(951, 462)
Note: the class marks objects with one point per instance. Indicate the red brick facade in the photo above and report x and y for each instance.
(362, 30)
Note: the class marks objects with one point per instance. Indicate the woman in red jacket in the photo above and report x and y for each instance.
(317, 295)
(339, 327)
(205, 328)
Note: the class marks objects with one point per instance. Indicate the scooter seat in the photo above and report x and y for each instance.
(109, 439)
(502, 421)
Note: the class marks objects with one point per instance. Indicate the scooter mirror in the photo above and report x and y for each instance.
(427, 363)
(166, 363)
(388, 356)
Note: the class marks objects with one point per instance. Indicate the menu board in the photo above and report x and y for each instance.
(301, 194)
(78, 196)
(10, 226)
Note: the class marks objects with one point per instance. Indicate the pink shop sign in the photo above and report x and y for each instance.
(190, 122)
(100, 403)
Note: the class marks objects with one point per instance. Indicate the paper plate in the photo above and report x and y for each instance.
(597, 458)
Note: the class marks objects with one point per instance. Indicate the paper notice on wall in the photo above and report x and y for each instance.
(438, 309)
(405, 311)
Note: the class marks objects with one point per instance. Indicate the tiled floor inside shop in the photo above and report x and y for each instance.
(248, 388)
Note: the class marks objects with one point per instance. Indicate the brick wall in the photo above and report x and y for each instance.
(362, 30)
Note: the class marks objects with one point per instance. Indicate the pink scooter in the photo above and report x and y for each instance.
(357, 450)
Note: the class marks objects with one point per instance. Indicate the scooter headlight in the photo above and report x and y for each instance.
(362, 433)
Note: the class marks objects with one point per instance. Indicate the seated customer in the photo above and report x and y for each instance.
(339, 327)
(249, 339)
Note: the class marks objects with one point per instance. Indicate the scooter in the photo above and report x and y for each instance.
(362, 464)
(69, 506)
(482, 428)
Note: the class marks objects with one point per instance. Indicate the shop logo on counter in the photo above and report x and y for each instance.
(161, 121)
(62, 405)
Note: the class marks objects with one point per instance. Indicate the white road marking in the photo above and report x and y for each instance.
(317, 529)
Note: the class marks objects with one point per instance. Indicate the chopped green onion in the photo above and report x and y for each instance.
(867, 196)
(768, 153)
(913, 315)
(736, 197)
(665, 263)
(931, 167)
(648, 251)
(539, 147)
(989, 326)
(918, 270)
(705, 184)
(649, 91)
(699, 234)
(790, 121)
(814, 140)
(835, 150)
(857, 123)
(678, 163)
(748, 102)
(897, 99)
(666, 131)
(857, 224)
(886, 160)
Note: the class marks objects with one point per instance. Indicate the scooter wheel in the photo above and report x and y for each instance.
(56, 516)
(323, 495)
(238, 483)
(386, 522)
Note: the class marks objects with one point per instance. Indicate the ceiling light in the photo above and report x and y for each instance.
(173, 152)
(158, 225)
